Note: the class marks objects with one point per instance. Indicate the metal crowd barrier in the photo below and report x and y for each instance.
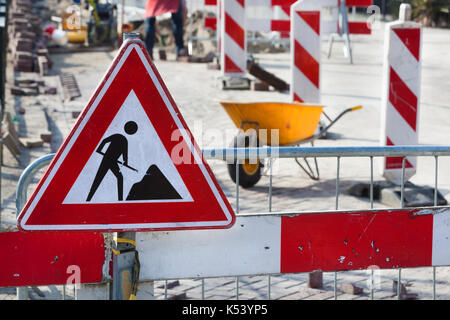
(271, 153)
(338, 153)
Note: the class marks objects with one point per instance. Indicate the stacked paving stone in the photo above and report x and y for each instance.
(27, 43)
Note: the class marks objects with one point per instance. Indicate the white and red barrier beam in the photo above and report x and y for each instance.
(401, 95)
(281, 25)
(256, 244)
(288, 243)
(33, 259)
(259, 3)
(267, 3)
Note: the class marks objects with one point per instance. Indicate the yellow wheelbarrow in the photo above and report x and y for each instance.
(294, 124)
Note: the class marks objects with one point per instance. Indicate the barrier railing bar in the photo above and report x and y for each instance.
(292, 152)
(237, 211)
(203, 288)
(270, 210)
(371, 207)
(237, 186)
(435, 204)
(338, 165)
(435, 180)
(165, 289)
(270, 184)
(338, 162)
(402, 186)
(402, 205)
(371, 285)
(371, 182)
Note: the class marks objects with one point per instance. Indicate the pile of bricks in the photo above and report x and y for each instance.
(27, 42)
(31, 87)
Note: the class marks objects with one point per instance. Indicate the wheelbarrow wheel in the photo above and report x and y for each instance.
(249, 172)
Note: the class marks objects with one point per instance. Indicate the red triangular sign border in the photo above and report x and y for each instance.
(132, 69)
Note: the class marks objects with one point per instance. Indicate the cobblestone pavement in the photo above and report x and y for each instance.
(194, 89)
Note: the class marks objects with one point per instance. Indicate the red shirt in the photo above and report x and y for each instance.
(158, 7)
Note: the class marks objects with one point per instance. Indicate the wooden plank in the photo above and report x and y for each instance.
(258, 72)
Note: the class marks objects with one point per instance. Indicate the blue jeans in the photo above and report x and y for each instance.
(177, 22)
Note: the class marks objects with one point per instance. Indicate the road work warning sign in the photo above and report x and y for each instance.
(129, 163)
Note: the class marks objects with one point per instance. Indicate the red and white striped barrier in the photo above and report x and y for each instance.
(233, 38)
(51, 258)
(401, 95)
(281, 23)
(305, 51)
(283, 15)
(358, 27)
(260, 3)
(256, 244)
(288, 243)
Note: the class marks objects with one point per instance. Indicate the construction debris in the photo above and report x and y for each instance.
(390, 194)
(46, 137)
(259, 86)
(351, 288)
(162, 54)
(404, 295)
(70, 86)
(18, 91)
(28, 43)
(315, 279)
(203, 59)
(170, 285)
(31, 142)
(30, 87)
(50, 90)
(75, 114)
(10, 136)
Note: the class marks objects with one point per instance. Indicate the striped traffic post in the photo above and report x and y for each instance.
(305, 48)
(234, 38)
(401, 93)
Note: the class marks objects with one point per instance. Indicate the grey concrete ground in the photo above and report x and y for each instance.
(194, 89)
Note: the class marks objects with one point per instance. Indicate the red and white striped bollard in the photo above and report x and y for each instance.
(305, 48)
(401, 93)
(233, 38)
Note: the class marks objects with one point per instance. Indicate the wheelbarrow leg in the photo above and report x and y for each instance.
(308, 169)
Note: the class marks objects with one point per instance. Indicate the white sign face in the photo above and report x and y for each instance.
(130, 164)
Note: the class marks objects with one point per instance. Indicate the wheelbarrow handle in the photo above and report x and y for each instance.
(355, 108)
(332, 122)
(338, 117)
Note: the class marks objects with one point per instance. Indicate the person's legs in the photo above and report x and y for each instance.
(116, 171)
(101, 172)
(177, 21)
(150, 34)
